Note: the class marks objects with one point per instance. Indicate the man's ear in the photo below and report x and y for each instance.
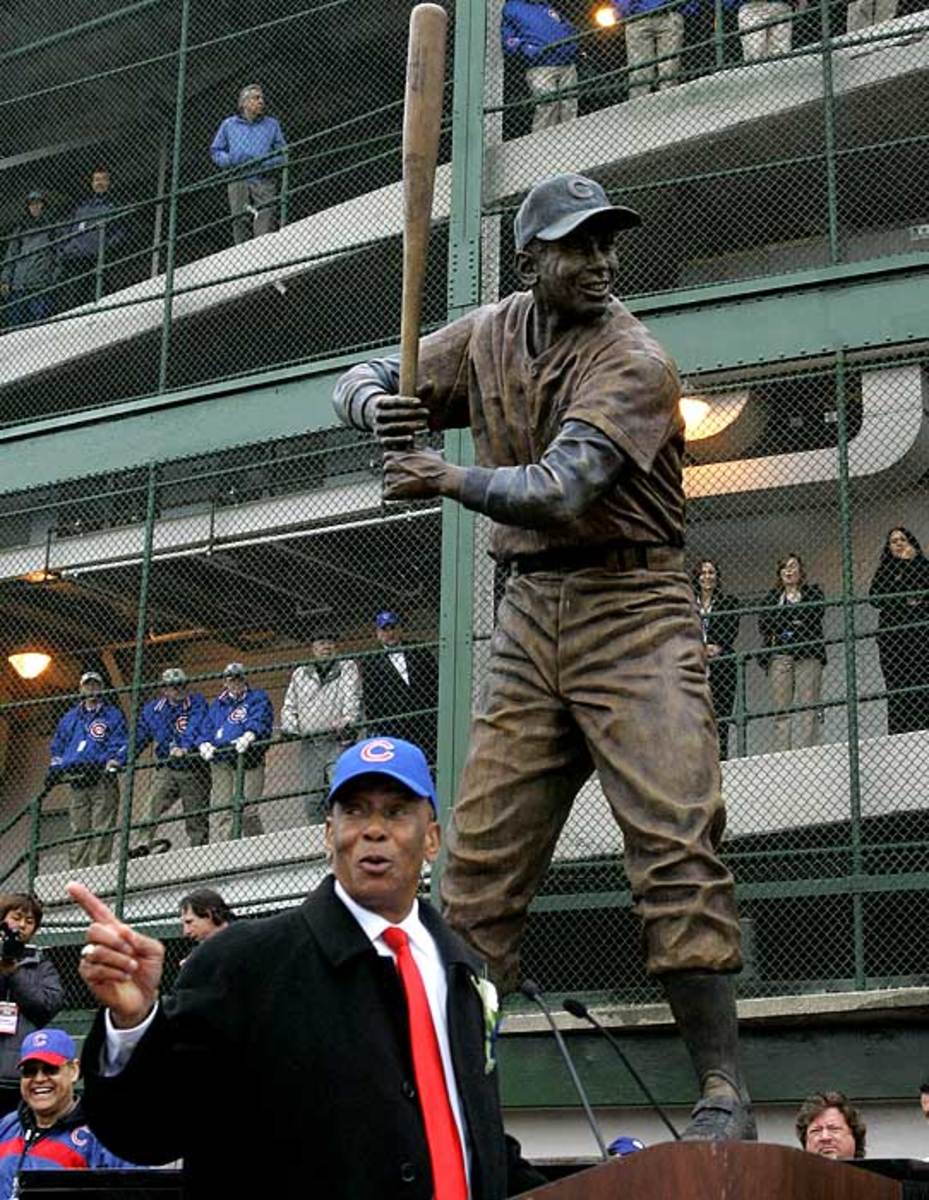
(432, 842)
(527, 271)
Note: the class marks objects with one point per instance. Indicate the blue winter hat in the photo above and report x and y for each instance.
(393, 757)
(386, 620)
(52, 1046)
(621, 1146)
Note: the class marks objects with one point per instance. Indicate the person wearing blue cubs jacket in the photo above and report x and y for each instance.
(238, 722)
(535, 33)
(88, 748)
(48, 1131)
(171, 723)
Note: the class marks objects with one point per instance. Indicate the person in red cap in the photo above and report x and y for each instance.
(48, 1132)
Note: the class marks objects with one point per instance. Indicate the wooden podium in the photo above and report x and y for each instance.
(720, 1171)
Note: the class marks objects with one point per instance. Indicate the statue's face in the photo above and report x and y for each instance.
(575, 275)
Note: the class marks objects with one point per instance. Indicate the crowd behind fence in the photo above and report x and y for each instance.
(93, 228)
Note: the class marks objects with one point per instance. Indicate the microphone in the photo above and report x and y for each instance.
(530, 989)
(577, 1009)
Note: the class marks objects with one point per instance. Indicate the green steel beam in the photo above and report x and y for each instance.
(860, 306)
(456, 617)
(873, 1061)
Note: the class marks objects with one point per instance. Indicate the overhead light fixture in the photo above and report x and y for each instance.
(605, 16)
(29, 664)
(40, 576)
(705, 418)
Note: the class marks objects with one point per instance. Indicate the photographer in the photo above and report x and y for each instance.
(30, 989)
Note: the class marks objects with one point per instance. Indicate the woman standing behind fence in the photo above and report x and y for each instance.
(792, 629)
(902, 642)
(720, 627)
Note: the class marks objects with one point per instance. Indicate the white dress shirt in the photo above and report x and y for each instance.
(120, 1043)
(398, 659)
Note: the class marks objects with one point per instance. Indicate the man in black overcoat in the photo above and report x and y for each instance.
(281, 1064)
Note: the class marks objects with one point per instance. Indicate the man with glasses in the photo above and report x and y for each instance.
(169, 723)
(48, 1131)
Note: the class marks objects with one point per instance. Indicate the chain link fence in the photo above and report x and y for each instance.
(282, 557)
(200, 191)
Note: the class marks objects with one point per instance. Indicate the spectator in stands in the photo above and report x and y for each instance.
(30, 988)
(170, 723)
(252, 140)
(720, 626)
(88, 748)
(792, 629)
(903, 629)
(403, 679)
(203, 913)
(829, 1125)
(49, 1132)
(31, 265)
(924, 1098)
(654, 39)
(766, 27)
(94, 233)
(322, 706)
(536, 34)
(237, 724)
(862, 13)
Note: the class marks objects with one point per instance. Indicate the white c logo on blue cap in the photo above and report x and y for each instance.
(378, 751)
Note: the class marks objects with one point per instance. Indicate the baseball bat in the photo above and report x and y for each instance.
(422, 121)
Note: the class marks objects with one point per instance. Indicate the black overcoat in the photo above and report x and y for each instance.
(282, 1061)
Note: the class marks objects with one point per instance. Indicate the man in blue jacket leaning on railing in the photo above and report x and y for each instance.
(250, 139)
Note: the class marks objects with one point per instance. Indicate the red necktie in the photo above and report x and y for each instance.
(449, 1180)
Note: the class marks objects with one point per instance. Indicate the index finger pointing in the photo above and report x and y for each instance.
(90, 903)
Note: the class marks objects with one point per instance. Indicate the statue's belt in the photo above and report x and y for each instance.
(605, 558)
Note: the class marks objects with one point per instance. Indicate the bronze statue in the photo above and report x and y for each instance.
(597, 661)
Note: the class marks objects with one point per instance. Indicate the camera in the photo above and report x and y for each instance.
(13, 947)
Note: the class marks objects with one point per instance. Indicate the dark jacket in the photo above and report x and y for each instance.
(31, 259)
(720, 626)
(901, 575)
(36, 987)
(91, 216)
(385, 695)
(293, 1032)
(785, 626)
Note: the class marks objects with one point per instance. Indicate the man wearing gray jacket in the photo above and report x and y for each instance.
(322, 706)
(30, 265)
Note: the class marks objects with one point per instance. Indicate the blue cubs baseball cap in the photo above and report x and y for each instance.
(621, 1146)
(393, 757)
(52, 1046)
(386, 619)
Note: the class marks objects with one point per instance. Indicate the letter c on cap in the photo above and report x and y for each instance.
(378, 751)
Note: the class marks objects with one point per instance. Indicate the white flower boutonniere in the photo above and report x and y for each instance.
(490, 1003)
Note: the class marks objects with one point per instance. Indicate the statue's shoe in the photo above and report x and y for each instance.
(721, 1119)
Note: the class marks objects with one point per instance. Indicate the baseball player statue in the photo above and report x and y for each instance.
(597, 661)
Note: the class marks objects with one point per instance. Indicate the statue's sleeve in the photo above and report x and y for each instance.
(576, 469)
(441, 380)
(633, 399)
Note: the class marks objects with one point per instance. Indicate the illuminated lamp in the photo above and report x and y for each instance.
(29, 664)
(706, 418)
(605, 16)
